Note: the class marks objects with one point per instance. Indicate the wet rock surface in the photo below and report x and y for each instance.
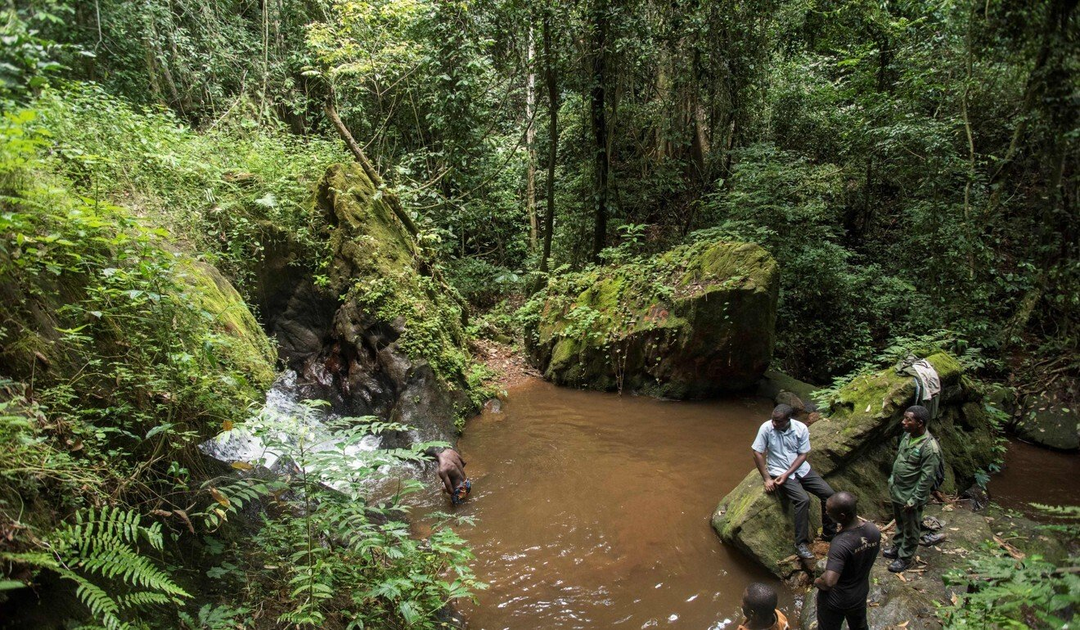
(1048, 421)
(784, 389)
(695, 322)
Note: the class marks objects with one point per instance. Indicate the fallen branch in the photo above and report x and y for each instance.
(1012, 551)
(373, 175)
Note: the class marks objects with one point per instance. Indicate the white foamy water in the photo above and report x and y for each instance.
(286, 430)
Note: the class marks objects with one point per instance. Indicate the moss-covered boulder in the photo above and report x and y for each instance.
(854, 449)
(1048, 421)
(246, 344)
(375, 332)
(118, 325)
(694, 322)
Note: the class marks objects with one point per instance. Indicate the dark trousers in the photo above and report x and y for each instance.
(908, 528)
(829, 618)
(796, 491)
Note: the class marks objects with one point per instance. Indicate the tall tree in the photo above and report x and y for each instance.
(598, 58)
(551, 82)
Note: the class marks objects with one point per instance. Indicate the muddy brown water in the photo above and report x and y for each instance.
(592, 511)
(1033, 473)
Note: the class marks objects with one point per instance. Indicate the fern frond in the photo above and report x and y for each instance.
(133, 569)
(142, 599)
(103, 543)
(101, 606)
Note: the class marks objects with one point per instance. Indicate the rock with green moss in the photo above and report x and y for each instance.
(1048, 421)
(246, 345)
(696, 321)
(781, 388)
(375, 333)
(854, 449)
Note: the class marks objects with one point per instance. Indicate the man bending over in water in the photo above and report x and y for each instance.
(452, 473)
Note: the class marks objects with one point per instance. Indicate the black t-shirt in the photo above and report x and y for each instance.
(852, 555)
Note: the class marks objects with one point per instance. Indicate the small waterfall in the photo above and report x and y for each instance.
(274, 434)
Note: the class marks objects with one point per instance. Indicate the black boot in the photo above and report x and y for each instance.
(900, 565)
(890, 552)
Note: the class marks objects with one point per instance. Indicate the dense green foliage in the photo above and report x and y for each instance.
(122, 351)
(911, 165)
(226, 191)
(917, 158)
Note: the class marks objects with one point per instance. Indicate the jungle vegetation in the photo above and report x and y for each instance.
(912, 165)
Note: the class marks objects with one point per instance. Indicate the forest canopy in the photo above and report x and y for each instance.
(912, 163)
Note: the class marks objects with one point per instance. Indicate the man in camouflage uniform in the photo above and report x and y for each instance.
(913, 477)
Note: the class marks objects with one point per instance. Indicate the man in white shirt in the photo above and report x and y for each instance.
(780, 451)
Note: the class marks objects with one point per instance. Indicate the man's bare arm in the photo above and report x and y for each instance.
(827, 580)
(447, 484)
(759, 459)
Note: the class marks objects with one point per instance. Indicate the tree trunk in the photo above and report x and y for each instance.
(553, 140)
(530, 143)
(1057, 18)
(598, 117)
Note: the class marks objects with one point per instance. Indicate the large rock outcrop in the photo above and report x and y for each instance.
(854, 449)
(373, 333)
(697, 321)
(1049, 421)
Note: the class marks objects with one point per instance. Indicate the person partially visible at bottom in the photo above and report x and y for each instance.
(843, 588)
(452, 473)
(759, 609)
(912, 479)
(780, 451)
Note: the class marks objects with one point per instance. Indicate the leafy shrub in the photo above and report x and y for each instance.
(482, 283)
(1009, 591)
(229, 191)
(349, 559)
(836, 309)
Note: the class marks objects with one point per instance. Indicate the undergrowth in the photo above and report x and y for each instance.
(121, 353)
(327, 552)
(1009, 590)
(227, 191)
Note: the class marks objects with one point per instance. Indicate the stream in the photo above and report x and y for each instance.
(592, 510)
(1036, 474)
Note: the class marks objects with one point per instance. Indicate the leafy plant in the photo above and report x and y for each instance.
(349, 558)
(100, 553)
(1002, 590)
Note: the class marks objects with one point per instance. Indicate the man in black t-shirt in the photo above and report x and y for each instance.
(843, 588)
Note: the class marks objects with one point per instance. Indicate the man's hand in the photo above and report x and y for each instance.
(770, 485)
(827, 580)
(781, 479)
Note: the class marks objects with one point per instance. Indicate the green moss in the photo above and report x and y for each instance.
(695, 321)
(377, 265)
(244, 344)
